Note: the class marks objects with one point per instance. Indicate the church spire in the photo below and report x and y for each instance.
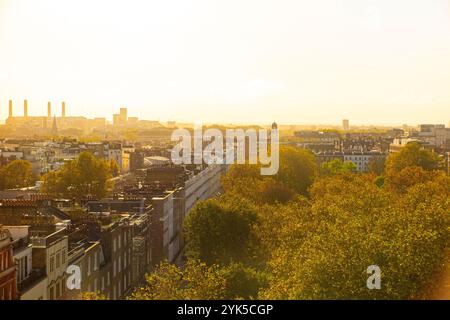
(54, 127)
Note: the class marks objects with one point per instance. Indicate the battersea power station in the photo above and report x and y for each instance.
(51, 122)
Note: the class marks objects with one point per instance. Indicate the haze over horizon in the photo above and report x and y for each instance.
(254, 61)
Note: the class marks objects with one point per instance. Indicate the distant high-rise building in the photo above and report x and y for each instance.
(346, 124)
(123, 115)
(25, 108)
(63, 109)
(116, 119)
(49, 109)
(10, 108)
(121, 118)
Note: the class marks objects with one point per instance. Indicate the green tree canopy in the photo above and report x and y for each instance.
(220, 231)
(86, 175)
(337, 166)
(196, 281)
(298, 168)
(296, 173)
(17, 174)
(355, 224)
(413, 154)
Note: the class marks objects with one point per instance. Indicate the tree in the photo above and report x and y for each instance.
(337, 166)
(83, 176)
(407, 177)
(413, 154)
(92, 296)
(197, 281)
(376, 165)
(245, 181)
(242, 281)
(242, 180)
(270, 191)
(16, 174)
(356, 224)
(298, 168)
(220, 231)
(114, 168)
(296, 173)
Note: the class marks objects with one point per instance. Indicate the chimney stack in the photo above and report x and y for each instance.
(10, 109)
(49, 109)
(63, 109)
(25, 108)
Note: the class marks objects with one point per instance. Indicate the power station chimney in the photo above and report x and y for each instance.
(10, 109)
(63, 109)
(25, 108)
(49, 109)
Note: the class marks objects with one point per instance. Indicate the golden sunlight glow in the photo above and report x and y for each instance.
(292, 61)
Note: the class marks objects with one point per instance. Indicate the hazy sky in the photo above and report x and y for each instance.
(379, 61)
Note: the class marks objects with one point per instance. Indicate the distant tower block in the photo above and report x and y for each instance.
(49, 109)
(123, 115)
(10, 109)
(63, 109)
(345, 124)
(25, 108)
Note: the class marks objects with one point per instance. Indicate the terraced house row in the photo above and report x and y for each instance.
(111, 243)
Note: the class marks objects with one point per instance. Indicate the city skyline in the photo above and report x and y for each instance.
(23, 111)
(211, 61)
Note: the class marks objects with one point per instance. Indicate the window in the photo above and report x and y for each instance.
(120, 264)
(95, 261)
(52, 264)
(89, 266)
(64, 256)
(114, 245)
(58, 259)
(25, 260)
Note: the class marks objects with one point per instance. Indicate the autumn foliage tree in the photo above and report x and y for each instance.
(299, 236)
(221, 231)
(354, 224)
(337, 166)
(413, 154)
(297, 170)
(196, 281)
(86, 175)
(16, 174)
